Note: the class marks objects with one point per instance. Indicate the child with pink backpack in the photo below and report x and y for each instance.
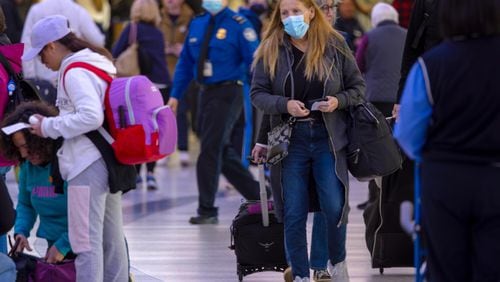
(94, 213)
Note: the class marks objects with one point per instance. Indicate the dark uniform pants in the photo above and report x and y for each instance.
(220, 107)
(461, 221)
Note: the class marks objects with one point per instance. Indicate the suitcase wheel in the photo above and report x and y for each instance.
(381, 270)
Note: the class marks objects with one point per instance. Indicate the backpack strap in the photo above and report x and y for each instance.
(104, 76)
(97, 71)
(7, 66)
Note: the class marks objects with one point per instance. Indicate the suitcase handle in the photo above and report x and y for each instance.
(263, 196)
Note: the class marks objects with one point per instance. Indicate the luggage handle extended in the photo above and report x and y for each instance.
(263, 195)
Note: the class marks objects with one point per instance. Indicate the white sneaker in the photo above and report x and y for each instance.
(338, 271)
(184, 158)
(298, 279)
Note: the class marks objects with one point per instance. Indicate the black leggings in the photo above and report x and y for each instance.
(149, 166)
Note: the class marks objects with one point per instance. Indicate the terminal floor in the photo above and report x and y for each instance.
(165, 247)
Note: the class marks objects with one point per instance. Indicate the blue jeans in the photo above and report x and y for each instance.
(309, 151)
(319, 242)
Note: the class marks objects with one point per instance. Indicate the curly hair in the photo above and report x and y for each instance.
(38, 145)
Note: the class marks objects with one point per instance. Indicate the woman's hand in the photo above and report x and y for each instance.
(23, 243)
(36, 124)
(172, 103)
(330, 105)
(259, 154)
(395, 111)
(296, 108)
(53, 255)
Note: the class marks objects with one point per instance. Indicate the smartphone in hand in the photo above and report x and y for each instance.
(314, 104)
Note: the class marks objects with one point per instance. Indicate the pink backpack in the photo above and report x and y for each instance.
(142, 128)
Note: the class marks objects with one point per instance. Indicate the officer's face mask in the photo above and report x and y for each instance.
(259, 9)
(295, 26)
(213, 6)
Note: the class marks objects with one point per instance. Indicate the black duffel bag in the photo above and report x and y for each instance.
(372, 151)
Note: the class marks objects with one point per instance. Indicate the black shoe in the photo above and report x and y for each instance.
(203, 219)
(362, 206)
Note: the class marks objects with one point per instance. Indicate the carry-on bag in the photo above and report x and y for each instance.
(257, 238)
(388, 243)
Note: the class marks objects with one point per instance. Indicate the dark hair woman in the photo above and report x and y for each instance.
(38, 195)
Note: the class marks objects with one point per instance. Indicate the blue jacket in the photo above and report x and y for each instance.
(450, 106)
(253, 18)
(233, 43)
(414, 116)
(37, 198)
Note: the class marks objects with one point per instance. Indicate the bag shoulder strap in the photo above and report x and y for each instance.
(104, 76)
(97, 71)
(204, 49)
(132, 34)
(8, 67)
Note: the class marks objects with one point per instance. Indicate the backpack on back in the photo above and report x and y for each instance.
(142, 128)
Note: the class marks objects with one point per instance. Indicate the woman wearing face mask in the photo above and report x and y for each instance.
(302, 58)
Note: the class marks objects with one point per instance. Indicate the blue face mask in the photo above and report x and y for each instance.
(295, 26)
(212, 6)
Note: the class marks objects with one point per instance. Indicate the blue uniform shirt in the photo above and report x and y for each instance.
(232, 44)
(414, 115)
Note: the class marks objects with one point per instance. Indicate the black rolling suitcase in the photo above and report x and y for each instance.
(388, 243)
(257, 237)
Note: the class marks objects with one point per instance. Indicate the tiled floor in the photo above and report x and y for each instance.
(165, 247)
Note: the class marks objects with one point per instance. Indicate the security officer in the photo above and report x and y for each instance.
(218, 43)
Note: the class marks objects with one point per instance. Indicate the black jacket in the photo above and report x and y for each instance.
(423, 34)
(7, 212)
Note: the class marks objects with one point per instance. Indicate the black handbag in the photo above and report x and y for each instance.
(25, 264)
(372, 151)
(278, 140)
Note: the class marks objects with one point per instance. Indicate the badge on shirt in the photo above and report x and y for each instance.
(221, 34)
(249, 34)
(207, 69)
(193, 40)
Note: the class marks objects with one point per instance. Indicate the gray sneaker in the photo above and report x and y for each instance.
(322, 276)
(203, 219)
(151, 182)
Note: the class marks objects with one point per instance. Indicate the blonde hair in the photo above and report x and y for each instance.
(319, 36)
(145, 11)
